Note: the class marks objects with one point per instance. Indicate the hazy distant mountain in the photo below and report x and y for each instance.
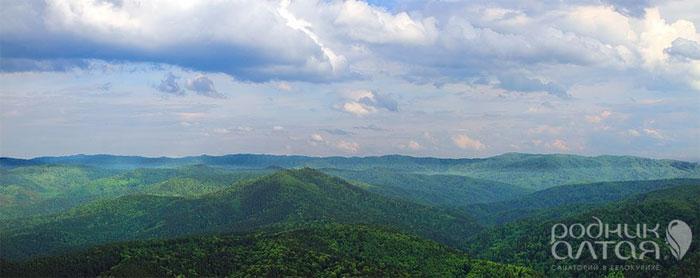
(572, 196)
(532, 171)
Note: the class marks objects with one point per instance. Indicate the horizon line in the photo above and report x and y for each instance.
(340, 156)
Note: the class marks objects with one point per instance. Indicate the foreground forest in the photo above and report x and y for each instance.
(263, 215)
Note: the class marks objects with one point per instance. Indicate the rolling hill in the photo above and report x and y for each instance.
(573, 197)
(286, 197)
(45, 189)
(435, 190)
(530, 171)
(526, 242)
(317, 250)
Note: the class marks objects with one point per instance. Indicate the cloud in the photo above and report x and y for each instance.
(559, 144)
(547, 129)
(371, 127)
(413, 145)
(465, 142)
(203, 86)
(654, 133)
(632, 133)
(363, 102)
(277, 128)
(597, 118)
(26, 65)
(244, 129)
(221, 131)
(347, 146)
(260, 47)
(370, 24)
(684, 48)
(169, 85)
(630, 7)
(317, 138)
(357, 108)
(548, 47)
(336, 131)
(337, 61)
(515, 82)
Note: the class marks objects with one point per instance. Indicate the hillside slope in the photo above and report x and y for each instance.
(571, 196)
(286, 197)
(45, 189)
(316, 251)
(526, 242)
(436, 190)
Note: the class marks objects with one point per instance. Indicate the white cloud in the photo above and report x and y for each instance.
(413, 145)
(597, 118)
(366, 23)
(221, 131)
(559, 144)
(545, 129)
(337, 61)
(633, 133)
(465, 142)
(654, 133)
(244, 129)
(363, 102)
(348, 146)
(317, 138)
(357, 108)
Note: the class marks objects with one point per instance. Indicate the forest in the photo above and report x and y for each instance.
(260, 215)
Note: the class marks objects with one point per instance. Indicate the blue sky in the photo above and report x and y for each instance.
(423, 78)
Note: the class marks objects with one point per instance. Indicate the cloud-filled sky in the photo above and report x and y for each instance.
(423, 78)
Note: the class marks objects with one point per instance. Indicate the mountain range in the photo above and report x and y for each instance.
(265, 215)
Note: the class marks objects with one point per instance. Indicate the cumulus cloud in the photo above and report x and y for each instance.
(169, 85)
(463, 141)
(412, 145)
(321, 41)
(520, 83)
(559, 144)
(684, 48)
(363, 102)
(654, 133)
(259, 47)
(347, 146)
(317, 138)
(375, 25)
(336, 131)
(597, 118)
(203, 86)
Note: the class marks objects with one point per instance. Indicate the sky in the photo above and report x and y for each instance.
(350, 78)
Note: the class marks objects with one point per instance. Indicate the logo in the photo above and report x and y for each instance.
(623, 241)
(678, 236)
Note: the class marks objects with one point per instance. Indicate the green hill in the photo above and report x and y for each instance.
(573, 197)
(286, 197)
(526, 242)
(315, 251)
(45, 189)
(436, 190)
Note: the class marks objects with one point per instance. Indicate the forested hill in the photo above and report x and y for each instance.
(552, 200)
(534, 171)
(286, 197)
(314, 251)
(526, 242)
